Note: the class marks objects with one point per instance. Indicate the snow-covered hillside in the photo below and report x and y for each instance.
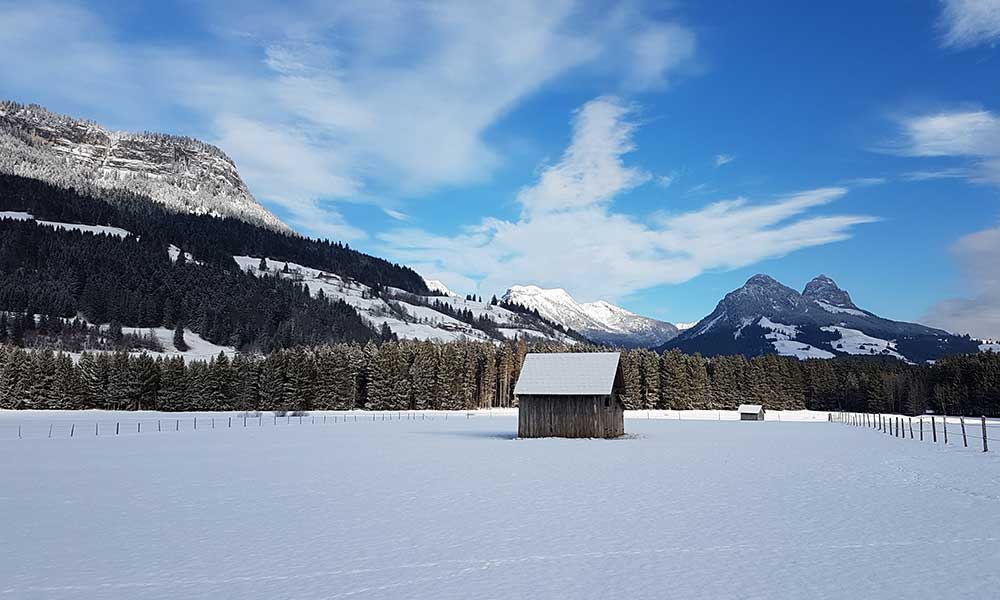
(95, 229)
(599, 321)
(198, 348)
(410, 316)
(438, 287)
(183, 174)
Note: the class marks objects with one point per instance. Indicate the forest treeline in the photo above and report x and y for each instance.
(210, 239)
(468, 375)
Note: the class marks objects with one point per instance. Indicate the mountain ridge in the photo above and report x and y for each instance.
(599, 321)
(765, 316)
(184, 174)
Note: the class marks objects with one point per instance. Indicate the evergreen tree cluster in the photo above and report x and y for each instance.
(76, 335)
(465, 375)
(210, 239)
(133, 281)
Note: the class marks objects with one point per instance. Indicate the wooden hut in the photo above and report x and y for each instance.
(751, 412)
(570, 394)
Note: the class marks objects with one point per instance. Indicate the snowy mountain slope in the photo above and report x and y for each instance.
(409, 316)
(183, 174)
(764, 316)
(438, 287)
(600, 321)
(95, 229)
(198, 348)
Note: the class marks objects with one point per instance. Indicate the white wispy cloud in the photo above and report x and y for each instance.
(723, 159)
(978, 255)
(665, 181)
(396, 214)
(967, 23)
(569, 235)
(970, 134)
(321, 103)
(865, 181)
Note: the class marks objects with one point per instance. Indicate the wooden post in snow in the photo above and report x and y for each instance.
(965, 440)
(934, 429)
(985, 445)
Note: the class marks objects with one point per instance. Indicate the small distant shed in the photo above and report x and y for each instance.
(751, 412)
(570, 394)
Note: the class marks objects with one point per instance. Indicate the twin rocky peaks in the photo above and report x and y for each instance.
(766, 317)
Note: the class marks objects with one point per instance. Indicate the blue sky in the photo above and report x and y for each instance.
(652, 154)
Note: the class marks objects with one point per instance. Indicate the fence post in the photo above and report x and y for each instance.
(213, 422)
(18, 431)
(944, 426)
(231, 422)
(158, 425)
(911, 428)
(985, 446)
(921, 429)
(50, 430)
(934, 429)
(138, 427)
(177, 424)
(196, 423)
(72, 428)
(97, 429)
(965, 441)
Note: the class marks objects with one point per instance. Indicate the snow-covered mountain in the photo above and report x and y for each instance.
(765, 316)
(600, 321)
(412, 316)
(183, 174)
(438, 287)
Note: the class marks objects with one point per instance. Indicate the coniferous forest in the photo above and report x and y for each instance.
(466, 375)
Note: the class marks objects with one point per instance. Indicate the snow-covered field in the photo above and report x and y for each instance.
(457, 508)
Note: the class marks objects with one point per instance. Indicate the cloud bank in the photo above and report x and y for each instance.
(569, 235)
(968, 23)
(973, 135)
(979, 315)
(321, 103)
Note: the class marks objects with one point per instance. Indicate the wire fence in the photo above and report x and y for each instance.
(63, 427)
(972, 431)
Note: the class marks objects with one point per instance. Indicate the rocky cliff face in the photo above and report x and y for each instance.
(183, 174)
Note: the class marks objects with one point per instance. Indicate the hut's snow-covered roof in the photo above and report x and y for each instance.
(568, 374)
(750, 408)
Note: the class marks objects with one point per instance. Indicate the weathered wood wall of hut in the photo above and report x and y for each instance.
(570, 416)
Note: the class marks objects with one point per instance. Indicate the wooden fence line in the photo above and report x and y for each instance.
(897, 425)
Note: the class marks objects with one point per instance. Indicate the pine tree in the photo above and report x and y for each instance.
(675, 390)
(262, 266)
(179, 343)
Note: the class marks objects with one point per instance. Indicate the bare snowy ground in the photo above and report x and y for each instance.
(457, 508)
